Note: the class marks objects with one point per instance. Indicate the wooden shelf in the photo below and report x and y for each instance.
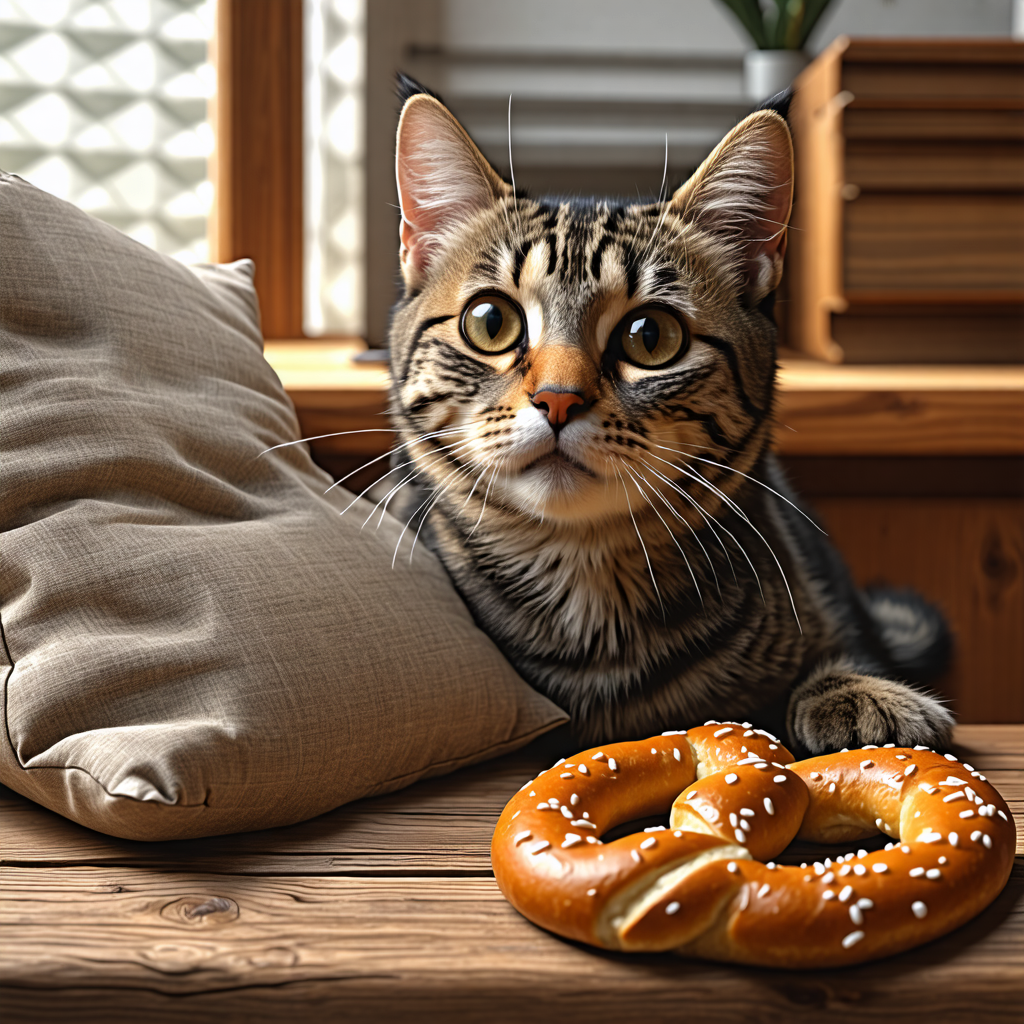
(908, 178)
(317, 371)
(823, 409)
(845, 410)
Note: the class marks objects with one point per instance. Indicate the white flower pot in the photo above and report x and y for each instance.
(766, 72)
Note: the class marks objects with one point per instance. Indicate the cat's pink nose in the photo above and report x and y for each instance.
(557, 405)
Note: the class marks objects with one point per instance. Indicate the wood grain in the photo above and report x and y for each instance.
(967, 557)
(895, 423)
(257, 163)
(930, 332)
(889, 165)
(814, 267)
(438, 947)
(939, 80)
(865, 411)
(945, 124)
(234, 932)
(916, 137)
(929, 51)
(946, 241)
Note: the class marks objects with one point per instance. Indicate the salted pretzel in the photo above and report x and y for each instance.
(700, 887)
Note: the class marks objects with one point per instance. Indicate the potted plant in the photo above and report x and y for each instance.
(779, 34)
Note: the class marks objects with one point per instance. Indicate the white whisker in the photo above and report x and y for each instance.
(682, 492)
(490, 483)
(387, 497)
(643, 546)
(746, 476)
(472, 490)
(732, 504)
(392, 451)
(336, 433)
(512, 170)
(685, 523)
(664, 173)
(461, 470)
(371, 485)
(675, 540)
(448, 451)
(711, 523)
(408, 522)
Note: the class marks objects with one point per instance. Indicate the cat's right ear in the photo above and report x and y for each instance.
(743, 195)
(443, 181)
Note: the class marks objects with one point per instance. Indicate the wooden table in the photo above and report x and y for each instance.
(387, 909)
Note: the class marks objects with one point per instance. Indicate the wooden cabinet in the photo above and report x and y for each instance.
(908, 227)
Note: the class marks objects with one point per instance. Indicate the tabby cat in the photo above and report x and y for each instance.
(583, 391)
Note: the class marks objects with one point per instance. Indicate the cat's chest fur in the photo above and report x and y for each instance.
(615, 629)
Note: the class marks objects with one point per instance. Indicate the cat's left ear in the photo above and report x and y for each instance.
(743, 193)
(443, 181)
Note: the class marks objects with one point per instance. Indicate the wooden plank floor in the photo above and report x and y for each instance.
(387, 908)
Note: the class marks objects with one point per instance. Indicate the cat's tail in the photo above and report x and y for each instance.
(915, 633)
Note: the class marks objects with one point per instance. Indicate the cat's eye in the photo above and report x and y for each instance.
(651, 336)
(492, 324)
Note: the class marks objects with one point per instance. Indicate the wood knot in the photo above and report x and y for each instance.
(201, 911)
(997, 564)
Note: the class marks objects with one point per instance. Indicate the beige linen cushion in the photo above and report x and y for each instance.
(195, 641)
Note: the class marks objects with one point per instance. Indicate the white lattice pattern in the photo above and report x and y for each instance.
(105, 104)
(334, 166)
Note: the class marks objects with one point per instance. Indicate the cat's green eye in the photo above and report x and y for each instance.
(651, 336)
(492, 324)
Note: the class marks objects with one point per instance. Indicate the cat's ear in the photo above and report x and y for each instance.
(743, 193)
(443, 180)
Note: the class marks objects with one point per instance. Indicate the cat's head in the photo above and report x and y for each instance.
(570, 357)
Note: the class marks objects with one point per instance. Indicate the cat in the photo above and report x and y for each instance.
(583, 394)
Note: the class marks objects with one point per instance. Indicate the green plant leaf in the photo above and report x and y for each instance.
(748, 13)
(814, 9)
(784, 29)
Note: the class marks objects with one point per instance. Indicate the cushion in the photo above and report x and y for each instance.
(196, 641)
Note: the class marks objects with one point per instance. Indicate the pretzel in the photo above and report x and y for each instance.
(700, 887)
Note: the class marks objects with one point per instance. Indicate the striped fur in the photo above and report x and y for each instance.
(646, 566)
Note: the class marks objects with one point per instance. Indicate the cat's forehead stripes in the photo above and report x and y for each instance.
(534, 310)
(575, 267)
(533, 269)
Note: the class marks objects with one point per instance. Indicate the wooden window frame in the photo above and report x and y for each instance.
(257, 163)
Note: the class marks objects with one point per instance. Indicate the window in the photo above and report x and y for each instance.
(333, 81)
(105, 104)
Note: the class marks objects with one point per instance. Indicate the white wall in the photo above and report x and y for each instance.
(688, 26)
(926, 18)
(627, 26)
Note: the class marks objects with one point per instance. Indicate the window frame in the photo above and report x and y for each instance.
(257, 166)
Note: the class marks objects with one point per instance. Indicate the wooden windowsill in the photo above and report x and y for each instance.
(823, 409)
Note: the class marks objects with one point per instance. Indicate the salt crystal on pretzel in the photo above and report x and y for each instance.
(701, 889)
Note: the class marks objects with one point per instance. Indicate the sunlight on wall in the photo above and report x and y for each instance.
(334, 166)
(105, 104)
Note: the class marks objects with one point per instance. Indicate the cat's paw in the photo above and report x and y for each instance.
(837, 707)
